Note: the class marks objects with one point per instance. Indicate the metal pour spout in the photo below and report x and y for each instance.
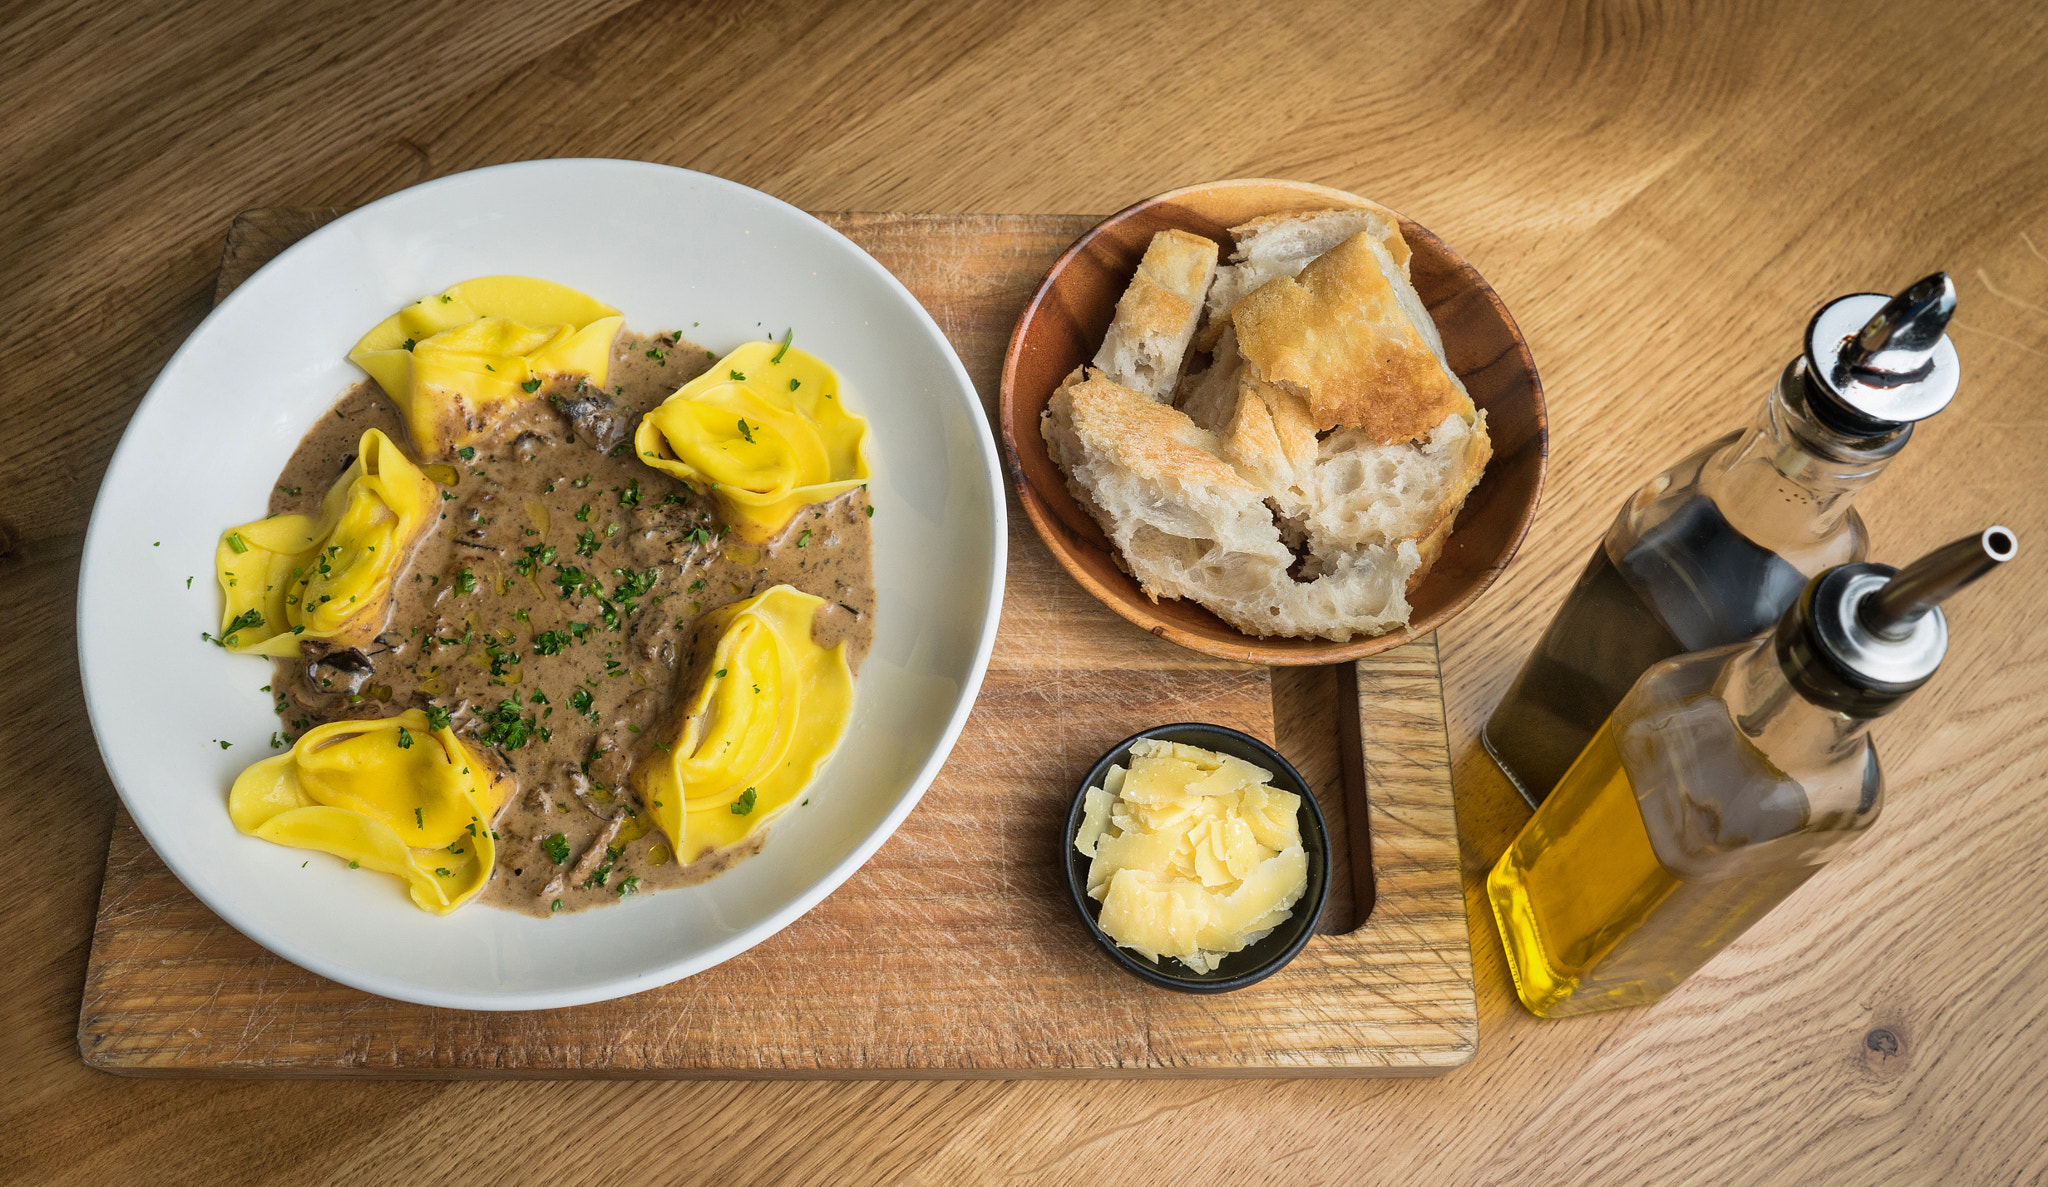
(1897, 344)
(1877, 363)
(1890, 612)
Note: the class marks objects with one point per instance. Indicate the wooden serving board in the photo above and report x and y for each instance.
(953, 952)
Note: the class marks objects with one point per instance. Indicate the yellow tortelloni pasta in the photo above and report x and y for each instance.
(772, 707)
(764, 431)
(291, 577)
(458, 361)
(393, 795)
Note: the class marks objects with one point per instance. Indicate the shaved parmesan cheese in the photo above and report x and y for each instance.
(1094, 818)
(1196, 854)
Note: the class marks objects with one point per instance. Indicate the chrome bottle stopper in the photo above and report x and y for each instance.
(1875, 364)
(1863, 636)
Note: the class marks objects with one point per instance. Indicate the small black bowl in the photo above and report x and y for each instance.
(1257, 961)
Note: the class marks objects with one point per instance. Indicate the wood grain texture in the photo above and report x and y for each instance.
(1065, 321)
(953, 952)
(1662, 192)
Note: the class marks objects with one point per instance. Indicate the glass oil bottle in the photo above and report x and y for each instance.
(1714, 549)
(1722, 782)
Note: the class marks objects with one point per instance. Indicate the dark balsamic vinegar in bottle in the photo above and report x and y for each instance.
(1713, 550)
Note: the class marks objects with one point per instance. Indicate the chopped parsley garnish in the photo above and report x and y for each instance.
(535, 556)
(465, 582)
(745, 804)
(787, 339)
(442, 870)
(410, 343)
(466, 453)
(803, 539)
(502, 660)
(530, 386)
(793, 385)
(503, 727)
(587, 544)
(555, 906)
(573, 582)
(658, 358)
(235, 543)
(580, 701)
(557, 847)
(583, 513)
(630, 497)
(720, 673)
(745, 431)
(736, 376)
(418, 819)
(247, 618)
(550, 642)
(404, 738)
(631, 884)
(582, 482)
(631, 585)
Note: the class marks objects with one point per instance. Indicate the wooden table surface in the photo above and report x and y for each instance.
(1661, 193)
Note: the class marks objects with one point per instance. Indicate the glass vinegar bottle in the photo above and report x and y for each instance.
(1713, 550)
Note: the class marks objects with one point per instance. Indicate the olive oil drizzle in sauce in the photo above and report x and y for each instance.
(551, 611)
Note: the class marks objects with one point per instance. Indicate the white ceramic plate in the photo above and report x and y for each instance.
(670, 248)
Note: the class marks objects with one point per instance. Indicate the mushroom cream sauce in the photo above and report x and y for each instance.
(551, 612)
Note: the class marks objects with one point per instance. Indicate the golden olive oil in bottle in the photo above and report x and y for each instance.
(1719, 785)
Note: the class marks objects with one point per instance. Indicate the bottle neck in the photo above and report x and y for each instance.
(1795, 735)
(1788, 482)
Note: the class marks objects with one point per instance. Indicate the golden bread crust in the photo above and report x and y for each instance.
(1154, 441)
(1339, 335)
(1157, 312)
(1181, 262)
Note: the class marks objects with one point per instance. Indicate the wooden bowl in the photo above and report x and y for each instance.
(1065, 322)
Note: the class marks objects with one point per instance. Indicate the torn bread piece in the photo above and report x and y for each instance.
(1359, 593)
(1272, 443)
(1364, 494)
(1352, 337)
(1185, 524)
(1209, 397)
(1279, 245)
(1157, 314)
